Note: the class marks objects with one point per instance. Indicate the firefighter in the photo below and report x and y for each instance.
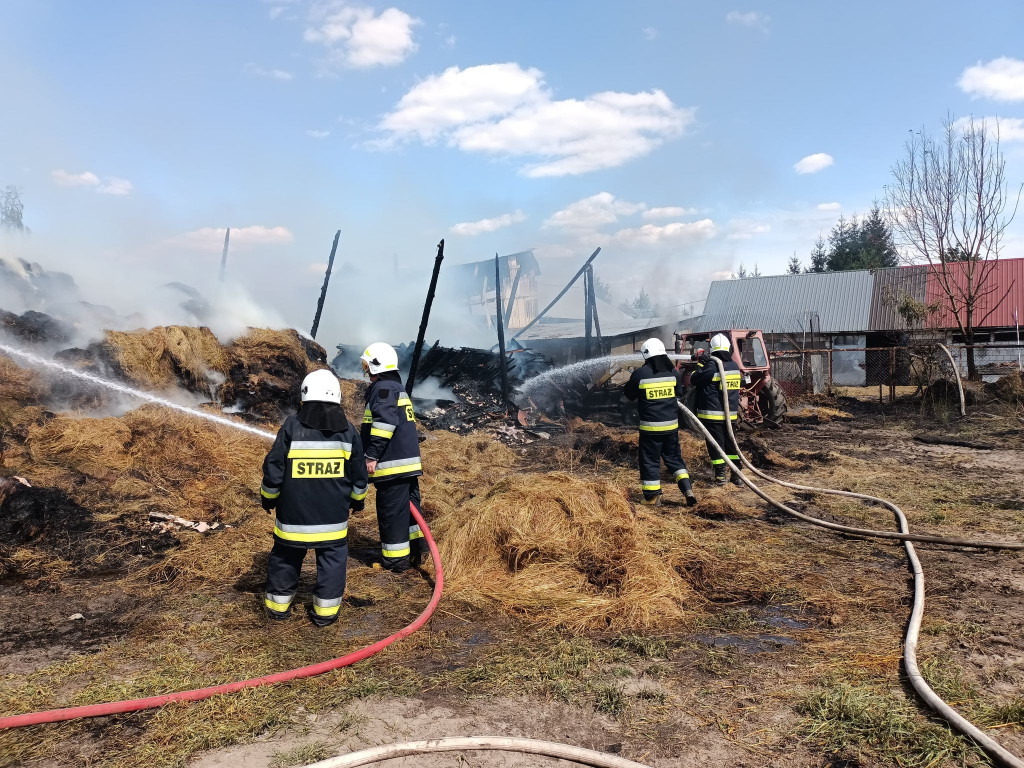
(314, 473)
(654, 387)
(392, 458)
(709, 386)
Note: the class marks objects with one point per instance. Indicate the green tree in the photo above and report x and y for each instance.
(641, 307)
(11, 209)
(877, 245)
(819, 256)
(794, 267)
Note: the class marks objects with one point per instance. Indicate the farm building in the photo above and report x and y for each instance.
(857, 313)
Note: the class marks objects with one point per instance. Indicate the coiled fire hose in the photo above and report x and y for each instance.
(134, 705)
(994, 749)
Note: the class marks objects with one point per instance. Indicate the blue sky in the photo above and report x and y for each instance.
(670, 134)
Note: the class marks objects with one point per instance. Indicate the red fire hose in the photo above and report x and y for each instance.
(134, 705)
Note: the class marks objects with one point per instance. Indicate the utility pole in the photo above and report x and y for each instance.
(323, 290)
(593, 309)
(224, 256)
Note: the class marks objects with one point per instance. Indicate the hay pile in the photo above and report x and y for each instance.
(265, 372)
(162, 357)
(1009, 388)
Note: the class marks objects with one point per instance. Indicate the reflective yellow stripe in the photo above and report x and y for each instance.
(398, 470)
(666, 428)
(397, 552)
(315, 453)
(651, 487)
(367, 416)
(718, 461)
(358, 496)
(374, 432)
(278, 607)
(404, 400)
(325, 536)
(416, 535)
(330, 610)
(266, 495)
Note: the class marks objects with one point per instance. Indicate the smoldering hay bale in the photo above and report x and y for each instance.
(266, 371)
(165, 356)
(558, 550)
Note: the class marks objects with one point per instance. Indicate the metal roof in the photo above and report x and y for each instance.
(826, 302)
(576, 329)
(891, 286)
(1001, 293)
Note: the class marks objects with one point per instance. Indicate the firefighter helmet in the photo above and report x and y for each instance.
(321, 387)
(720, 343)
(379, 358)
(652, 348)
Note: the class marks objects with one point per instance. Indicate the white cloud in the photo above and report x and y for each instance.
(668, 212)
(317, 134)
(110, 185)
(1001, 79)
(471, 228)
(317, 267)
(749, 19)
(64, 179)
(276, 11)
(211, 239)
(273, 74)
(829, 206)
(650, 33)
(745, 230)
(357, 37)
(1008, 128)
(592, 212)
(676, 233)
(115, 186)
(449, 42)
(504, 110)
(814, 163)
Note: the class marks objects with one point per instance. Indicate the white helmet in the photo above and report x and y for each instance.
(321, 387)
(720, 343)
(652, 348)
(380, 358)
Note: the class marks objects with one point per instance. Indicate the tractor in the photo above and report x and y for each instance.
(762, 400)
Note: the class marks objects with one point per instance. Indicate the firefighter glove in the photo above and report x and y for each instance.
(358, 506)
(268, 504)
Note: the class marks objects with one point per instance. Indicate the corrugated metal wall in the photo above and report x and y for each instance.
(1003, 290)
(891, 285)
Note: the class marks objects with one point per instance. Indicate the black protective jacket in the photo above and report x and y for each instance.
(389, 430)
(708, 384)
(311, 476)
(655, 386)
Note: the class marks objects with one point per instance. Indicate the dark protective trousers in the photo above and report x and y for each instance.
(401, 540)
(720, 432)
(283, 569)
(656, 447)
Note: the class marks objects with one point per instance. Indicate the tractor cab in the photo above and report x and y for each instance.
(761, 398)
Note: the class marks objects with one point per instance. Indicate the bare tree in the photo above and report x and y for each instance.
(948, 205)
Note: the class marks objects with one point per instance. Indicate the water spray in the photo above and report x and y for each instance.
(41, 362)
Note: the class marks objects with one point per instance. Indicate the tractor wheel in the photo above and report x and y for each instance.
(772, 401)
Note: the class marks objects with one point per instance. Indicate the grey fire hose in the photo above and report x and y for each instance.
(463, 744)
(959, 381)
(994, 749)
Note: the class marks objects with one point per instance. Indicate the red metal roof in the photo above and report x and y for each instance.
(1004, 290)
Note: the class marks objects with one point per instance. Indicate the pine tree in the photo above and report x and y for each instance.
(819, 256)
(740, 273)
(844, 245)
(794, 267)
(877, 246)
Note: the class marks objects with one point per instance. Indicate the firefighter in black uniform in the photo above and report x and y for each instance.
(653, 386)
(709, 385)
(392, 458)
(312, 475)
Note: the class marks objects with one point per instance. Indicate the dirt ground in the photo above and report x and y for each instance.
(802, 670)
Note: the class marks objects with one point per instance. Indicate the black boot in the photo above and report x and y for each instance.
(687, 489)
(736, 480)
(720, 476)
